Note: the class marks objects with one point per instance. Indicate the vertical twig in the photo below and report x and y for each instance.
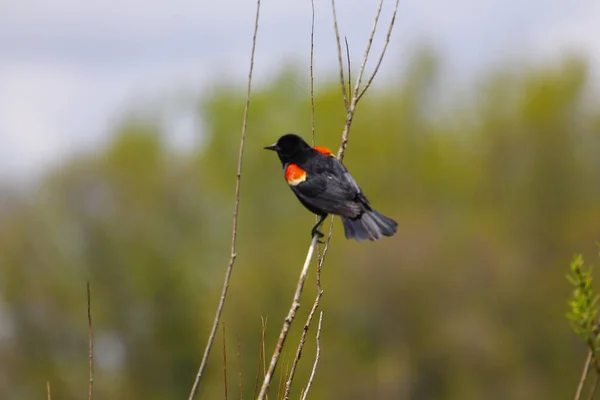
(356, 95)
(594, 387)
(263, 324)
(233, 254)
(387, 41)
(584, 373)
(350, 108)
(339, 49)
(314, 369)
(310, 317)
(348, 62)
(312, 76)
(367, 51)
(239, 359)
(91, 344)
(224, 362)
(49, 396)
(287, 372)
(261, 351)
(281, 375)
(288, 320)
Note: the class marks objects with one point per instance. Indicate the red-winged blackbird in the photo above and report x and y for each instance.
(324, 186)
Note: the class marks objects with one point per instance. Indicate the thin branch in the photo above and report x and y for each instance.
(355, 95)
(281, 375)
(263, 324)
(366, 56)
(348, 62)
(350, 108)
(91, 345)
(339, 49)
(312, 92)
(261, 351)
(224, 362)
(288, 320)
(594, 387)
(312, 76)
(49, 396)
(288, 384)
(387, 41)
(239, 359)
(314, 369)
(233, 254)
(584, 373)
(314, 308)
(287, 372)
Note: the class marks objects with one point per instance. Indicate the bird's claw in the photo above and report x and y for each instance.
(317, 233)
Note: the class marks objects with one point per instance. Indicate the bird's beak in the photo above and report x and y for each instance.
(273, 147)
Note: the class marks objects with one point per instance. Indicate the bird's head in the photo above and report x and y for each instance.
(288, 147)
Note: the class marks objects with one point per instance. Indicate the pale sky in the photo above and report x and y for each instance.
(70, 69)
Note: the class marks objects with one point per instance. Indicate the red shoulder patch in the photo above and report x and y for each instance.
(294, 174)
(323, 150)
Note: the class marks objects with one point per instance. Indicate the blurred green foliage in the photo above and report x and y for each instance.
(493, 192)
(583, 303)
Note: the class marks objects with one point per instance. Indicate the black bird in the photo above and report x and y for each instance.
(324, 186)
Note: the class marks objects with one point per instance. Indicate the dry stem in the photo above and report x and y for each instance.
(233, 254)
(288, 320)
(320, 262)
(350, 108)
(239, 358)
(261, 351)
(314, 369)
(356, 95)
(387, 41)
(312, 76)
(339, 49)
(584, 373)
(224, 362)
(91, 346)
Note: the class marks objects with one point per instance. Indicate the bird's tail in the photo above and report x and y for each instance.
(370, 225)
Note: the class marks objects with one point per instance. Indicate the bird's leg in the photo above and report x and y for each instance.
(315, 229)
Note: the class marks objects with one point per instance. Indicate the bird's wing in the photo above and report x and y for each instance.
(330, 187)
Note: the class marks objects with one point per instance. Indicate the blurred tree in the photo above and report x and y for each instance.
(492, 194)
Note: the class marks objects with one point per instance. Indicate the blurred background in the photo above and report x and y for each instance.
(119, 133)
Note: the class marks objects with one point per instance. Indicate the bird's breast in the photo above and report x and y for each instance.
(294, 175)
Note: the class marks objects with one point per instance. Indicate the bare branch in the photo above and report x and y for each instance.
(584, 373)
(594, 387)
(287, 374)
(314, 369)
(91, 345)
(281, 372)
(288, 320)
(366, 56)
(261, 351)
(224, 362)
(239, 358)
(288, 385)
(350, 108)
(263, 324)
(312, 76)
(314, 308)
(355, 95)
(348, 62)
(49, 396)
(339, 49)
(387, 41)
(233, 254)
